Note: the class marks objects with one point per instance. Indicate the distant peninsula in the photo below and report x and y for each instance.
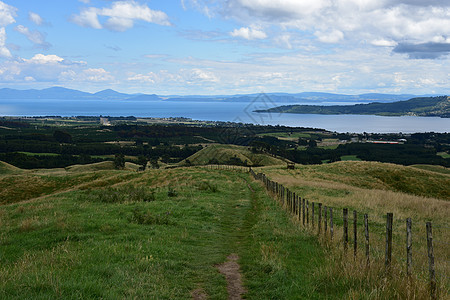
(421, 106)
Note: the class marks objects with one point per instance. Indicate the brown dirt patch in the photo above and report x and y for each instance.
(230, 269)
(199, 294)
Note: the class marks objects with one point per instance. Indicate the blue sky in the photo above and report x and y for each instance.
(227, 46)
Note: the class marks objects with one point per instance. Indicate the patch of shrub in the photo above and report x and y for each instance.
(171, 192)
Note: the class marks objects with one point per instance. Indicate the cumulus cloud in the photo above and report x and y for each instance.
(51, 69)
(143, 78)
(371, 22)
(7, 14)
(35, 18)
(96, 75)
(45, 59)
(198, 75)
(121, 16)
(34, 36)
(4, 52)
(248, 33)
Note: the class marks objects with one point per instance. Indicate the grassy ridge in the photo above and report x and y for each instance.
(223, 154)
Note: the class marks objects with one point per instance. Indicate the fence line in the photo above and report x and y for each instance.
(300, 206)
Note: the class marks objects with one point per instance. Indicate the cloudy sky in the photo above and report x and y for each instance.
(227, 46)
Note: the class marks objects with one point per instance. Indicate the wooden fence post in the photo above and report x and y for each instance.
(355, 233)
(320, 218)
(303, 202)
(312, 214)
(331, 223)
(295, 204)
(345, 217)
(287, 198)
(366, 233)
(307, 212)
(325, 212)
(388, 254)
(431, 262)
(408, 247)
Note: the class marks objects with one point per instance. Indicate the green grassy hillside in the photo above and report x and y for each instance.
(6, 168)
(149, 235)
(373, 175)
(433, 168)
(95, 232)
(224, 154)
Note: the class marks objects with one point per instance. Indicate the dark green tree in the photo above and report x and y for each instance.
(119, 161)
(142, 160)
(312, 144)
(62, 136)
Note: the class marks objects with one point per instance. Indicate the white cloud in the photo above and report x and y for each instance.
(334, 36)
(121, 16)
(87, 18)
(35, 18)
(193, 76)
(45, 59)
(248, 33)
(96, 75)
(198, 75)
(383, 43)
(7, 14)
(4, 52)
(36, 37)
(274, 10)
(369, 22)
(52, 70)
(143, 78)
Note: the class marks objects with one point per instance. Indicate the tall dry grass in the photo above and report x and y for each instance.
(372, 282)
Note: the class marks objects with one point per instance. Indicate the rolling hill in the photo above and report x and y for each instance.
(422, 106)
(228, 154)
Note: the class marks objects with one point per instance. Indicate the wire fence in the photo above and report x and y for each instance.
(417, 249)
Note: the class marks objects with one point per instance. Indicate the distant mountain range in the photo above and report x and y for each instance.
(270, 98)
(420, 106)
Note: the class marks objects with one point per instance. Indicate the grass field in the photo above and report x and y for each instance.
(376, 189)
(444, 154)
(433, 168)
(154, 235)
(95, 232)
(288, 136)
(350, 158)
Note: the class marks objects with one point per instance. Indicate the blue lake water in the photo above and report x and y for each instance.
(222, 111)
